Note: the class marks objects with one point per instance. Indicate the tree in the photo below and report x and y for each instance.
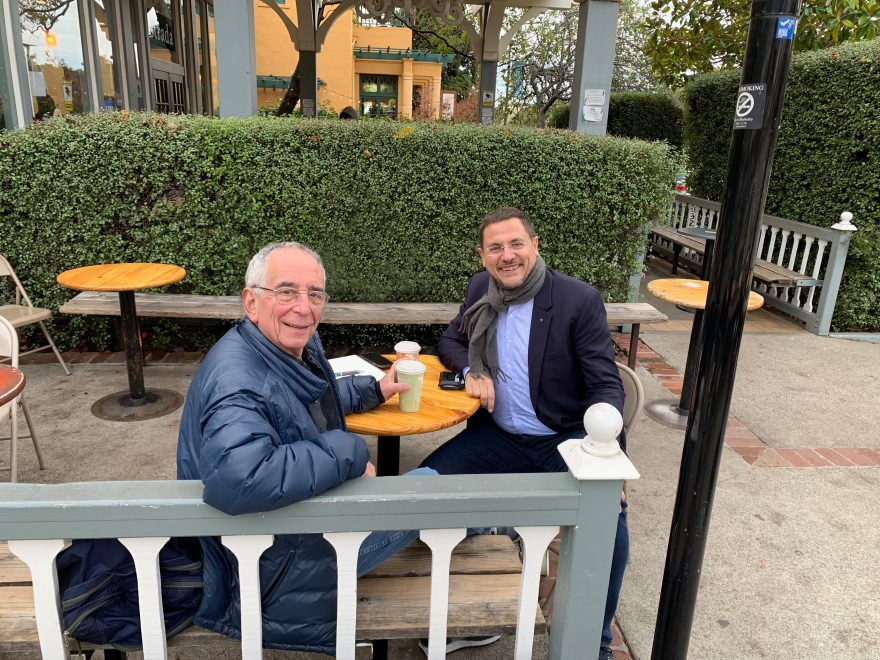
(539, 68)
(540, 61)
(632, 71)
(695, 36)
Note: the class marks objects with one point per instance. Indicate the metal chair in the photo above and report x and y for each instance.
(24, 313)
(635, 396)
(9, 349)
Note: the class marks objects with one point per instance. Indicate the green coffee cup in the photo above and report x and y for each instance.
(411, 372)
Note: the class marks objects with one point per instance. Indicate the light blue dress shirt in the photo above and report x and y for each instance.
(513, 404)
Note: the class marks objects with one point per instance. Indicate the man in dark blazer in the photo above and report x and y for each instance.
(535, 349)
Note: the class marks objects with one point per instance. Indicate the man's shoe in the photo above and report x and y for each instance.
(456, 643)
(605, 654)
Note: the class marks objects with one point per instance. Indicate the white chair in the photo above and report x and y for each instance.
(635, 396)
(24, 313)
(9, 411)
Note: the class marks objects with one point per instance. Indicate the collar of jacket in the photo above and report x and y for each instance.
(286, 366)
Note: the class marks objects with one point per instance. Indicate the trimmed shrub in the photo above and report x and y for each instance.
(827, 157)
(641, 115)
(392, 207)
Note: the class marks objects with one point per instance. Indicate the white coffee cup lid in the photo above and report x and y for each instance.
(407, 347)
(413, 367)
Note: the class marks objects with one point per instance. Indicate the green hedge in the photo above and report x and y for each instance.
(640, 115)
(827, 157)
(392, 207)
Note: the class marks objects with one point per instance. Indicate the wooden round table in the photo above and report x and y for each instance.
(138, 403)
(11, 383)
(439, 409)
(693, 294)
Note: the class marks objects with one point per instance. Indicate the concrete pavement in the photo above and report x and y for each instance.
(791, 563)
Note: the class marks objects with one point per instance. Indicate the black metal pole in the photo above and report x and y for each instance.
(134, 354)
(756, 121)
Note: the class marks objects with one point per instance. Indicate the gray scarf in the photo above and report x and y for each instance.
(480, 321)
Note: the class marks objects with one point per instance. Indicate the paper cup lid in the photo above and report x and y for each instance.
(407, 347)
(410, 367)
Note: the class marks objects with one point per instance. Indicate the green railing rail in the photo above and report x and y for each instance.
(40, 520)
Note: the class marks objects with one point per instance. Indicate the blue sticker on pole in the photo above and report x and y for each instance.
(785, 26)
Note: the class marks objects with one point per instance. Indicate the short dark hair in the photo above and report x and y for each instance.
(507, 213)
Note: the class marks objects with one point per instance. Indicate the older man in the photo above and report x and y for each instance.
(264, 427)
(535, 349)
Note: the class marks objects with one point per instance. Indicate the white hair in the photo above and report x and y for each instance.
(258, 271)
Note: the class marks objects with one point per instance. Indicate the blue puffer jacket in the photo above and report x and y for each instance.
(247, 434)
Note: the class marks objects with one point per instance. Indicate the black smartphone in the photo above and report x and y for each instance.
(451, 380)
(377, 360)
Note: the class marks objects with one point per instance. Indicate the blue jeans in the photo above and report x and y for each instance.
(379, 546)
(484, 448)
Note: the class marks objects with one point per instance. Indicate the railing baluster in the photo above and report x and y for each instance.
(40, 558)
(347, 545)
(441, 542)
(817, 267)
(761, 239)
(145, 552)
(535, 542)
(248, 550)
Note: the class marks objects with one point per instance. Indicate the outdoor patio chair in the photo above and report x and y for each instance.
(9, 412)
(24, 313)
(635, 396)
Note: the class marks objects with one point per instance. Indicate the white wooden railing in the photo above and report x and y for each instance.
(817, 253)
(40, 520)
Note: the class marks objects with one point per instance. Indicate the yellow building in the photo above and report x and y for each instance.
(372, 69)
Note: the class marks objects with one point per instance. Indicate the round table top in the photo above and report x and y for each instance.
(11, 383)
(439, 409)
(691, 293)
(120, 277)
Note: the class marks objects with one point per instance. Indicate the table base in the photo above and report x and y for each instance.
(668, 413)
(120, 407)
(388, 458)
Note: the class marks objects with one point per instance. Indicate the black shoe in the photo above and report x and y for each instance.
(456, 643)
(605, 653)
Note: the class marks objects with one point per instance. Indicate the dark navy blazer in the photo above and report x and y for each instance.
(571, 357)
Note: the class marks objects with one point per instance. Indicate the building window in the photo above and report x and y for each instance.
(53, 48)
(378, 96)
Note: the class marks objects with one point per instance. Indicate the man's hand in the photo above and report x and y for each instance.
(370, 471)
(389, 384)
(482, 388)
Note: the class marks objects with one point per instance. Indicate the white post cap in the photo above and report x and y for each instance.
(845, 223)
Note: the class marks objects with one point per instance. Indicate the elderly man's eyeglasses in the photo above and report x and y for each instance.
(514, 246)
(286, 295)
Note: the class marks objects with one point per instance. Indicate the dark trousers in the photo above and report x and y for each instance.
(484, 448)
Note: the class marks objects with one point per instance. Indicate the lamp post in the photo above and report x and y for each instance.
(756, 122)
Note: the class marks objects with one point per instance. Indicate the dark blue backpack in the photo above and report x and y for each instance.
(98, 587)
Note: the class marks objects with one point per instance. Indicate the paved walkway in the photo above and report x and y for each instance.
(791, 563)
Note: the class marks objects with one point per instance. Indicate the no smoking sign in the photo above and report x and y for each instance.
(749, 111)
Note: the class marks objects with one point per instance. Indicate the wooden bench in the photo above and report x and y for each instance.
(798, 267)
(393, 601)
(669, 242)
(190, 306)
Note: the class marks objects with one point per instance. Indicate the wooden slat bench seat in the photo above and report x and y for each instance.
(393, 601)
(764, 271)
(191, 306)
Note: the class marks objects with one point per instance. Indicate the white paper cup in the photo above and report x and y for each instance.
(411, 372)
(407, 350)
